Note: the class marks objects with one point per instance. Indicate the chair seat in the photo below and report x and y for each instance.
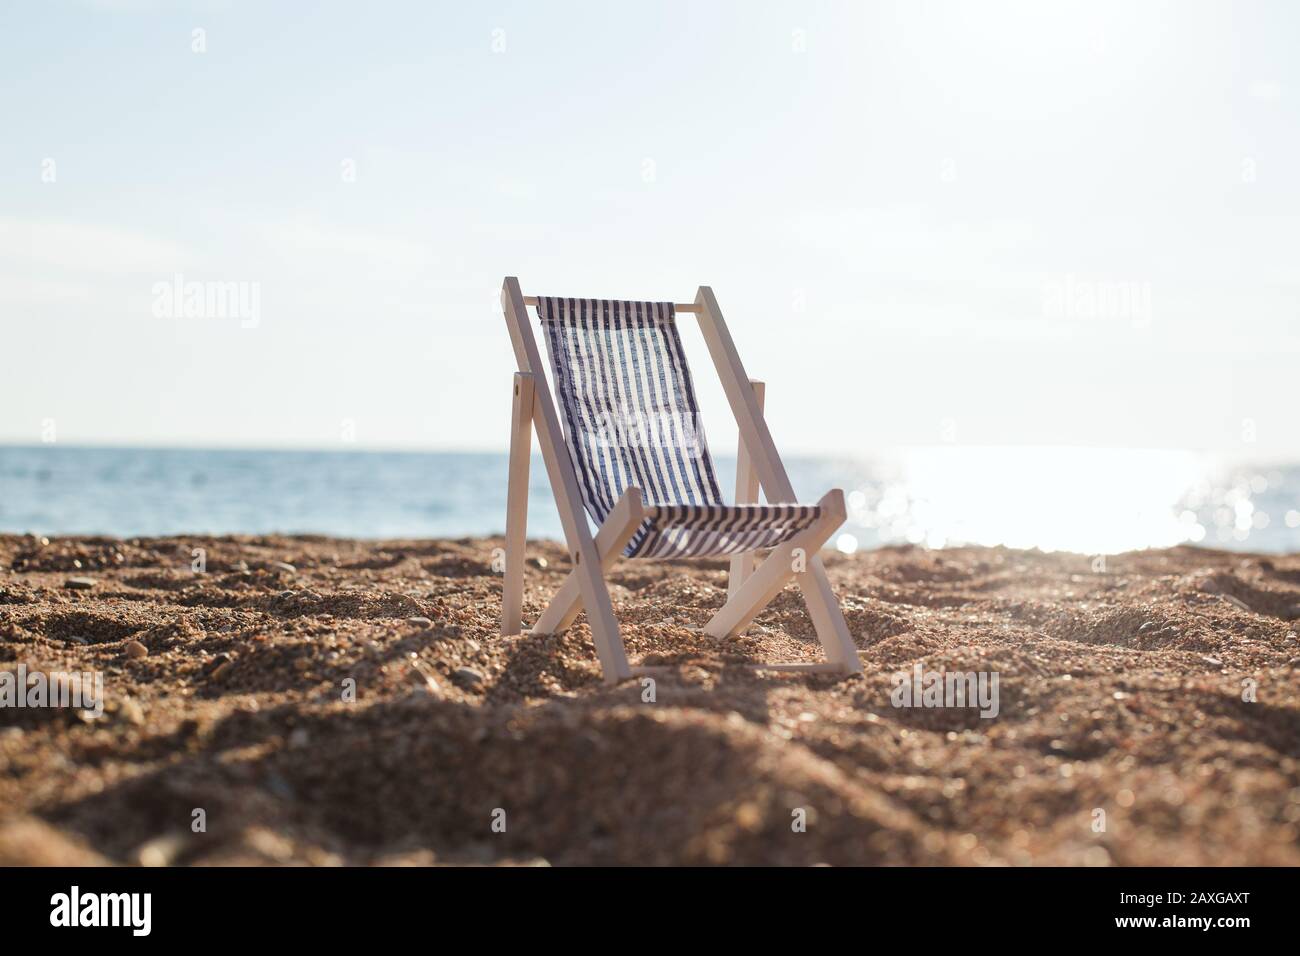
(699, 531)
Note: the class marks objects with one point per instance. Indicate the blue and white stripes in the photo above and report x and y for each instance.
(677, 531)
(631, 420)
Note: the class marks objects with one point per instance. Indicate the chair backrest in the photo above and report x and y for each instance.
(627, 402)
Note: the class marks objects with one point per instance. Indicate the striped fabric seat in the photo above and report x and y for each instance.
(631, 420)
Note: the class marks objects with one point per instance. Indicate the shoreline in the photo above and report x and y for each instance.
(1123, 691)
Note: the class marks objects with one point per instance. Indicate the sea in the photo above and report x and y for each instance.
(1086, 500)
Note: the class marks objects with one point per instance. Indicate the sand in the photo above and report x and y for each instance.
(1120, 703)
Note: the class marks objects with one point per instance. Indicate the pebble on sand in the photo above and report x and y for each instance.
(467, 675)
(131, 712)
(135, 650)
(218, 667)
(161, 850)
(424, 684)
(79, 584)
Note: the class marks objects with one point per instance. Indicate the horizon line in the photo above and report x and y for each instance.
(1273, 460)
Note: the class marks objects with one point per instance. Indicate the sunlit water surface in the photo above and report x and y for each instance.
(1077, 499)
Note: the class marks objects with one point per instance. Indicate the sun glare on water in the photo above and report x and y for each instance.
(1088, 500)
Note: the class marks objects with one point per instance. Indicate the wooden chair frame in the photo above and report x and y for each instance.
(750, 587)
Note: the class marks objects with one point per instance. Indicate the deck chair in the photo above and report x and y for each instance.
(625, 443)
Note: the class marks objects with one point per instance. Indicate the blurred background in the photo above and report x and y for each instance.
(1014, 272)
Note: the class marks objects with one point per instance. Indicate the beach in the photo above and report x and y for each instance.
(322, 701)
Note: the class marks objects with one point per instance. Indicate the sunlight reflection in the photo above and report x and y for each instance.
(1089, 500)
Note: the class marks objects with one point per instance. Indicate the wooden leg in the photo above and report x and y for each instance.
(612, 538)
(604, 626)
(564, 485)
(742, 565)
(521, 449)
(818, 595)
(828, 617)
(771, 576)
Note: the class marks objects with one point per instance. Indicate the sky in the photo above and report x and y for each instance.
(995, 223)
